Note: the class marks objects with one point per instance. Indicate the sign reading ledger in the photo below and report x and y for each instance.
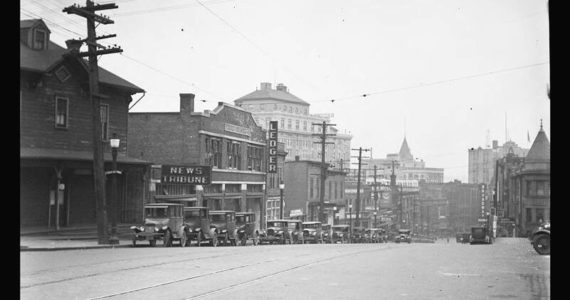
(186, 174)
(272, 164)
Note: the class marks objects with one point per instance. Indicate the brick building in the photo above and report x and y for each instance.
(227, 138)
(56, 139)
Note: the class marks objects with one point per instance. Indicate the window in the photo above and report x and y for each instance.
(296, 110)
(288, 123)
(254, 158)
(290, 109)
(540, 188)
(304, 125)
(282, 123)
(528, 214)
(312, 187)
(531, 188)
(39, 41)
(335, 191)
(540, 215)
(61, 112)
(297, 124)
(213, 152)
(234, 155)
(104, 110)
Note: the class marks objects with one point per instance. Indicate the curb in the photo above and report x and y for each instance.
(27, 248)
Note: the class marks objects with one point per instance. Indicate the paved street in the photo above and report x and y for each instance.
(507, 269)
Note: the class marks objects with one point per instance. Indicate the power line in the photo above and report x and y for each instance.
(421, 85)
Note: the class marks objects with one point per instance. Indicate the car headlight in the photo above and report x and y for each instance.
(133, 227)
(313, 233)
(224, 231)
(164, 227)
(142, 228)
(197, 229)
(155, 229)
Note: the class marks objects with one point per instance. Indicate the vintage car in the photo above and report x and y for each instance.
(197, 226)
(224, 222)
(277, 232)
(247, 227)
(480, 235)
(327, 233)
(312, 232)
(404, 236)
(163, 221)
(296, 231)
(373, 235)
(358, 235)
(340, 234)
(540, 239)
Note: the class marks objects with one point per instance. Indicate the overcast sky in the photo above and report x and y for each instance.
(447, 74)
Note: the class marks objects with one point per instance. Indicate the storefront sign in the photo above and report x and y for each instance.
(237, 129)
(186, 174)
(272, 164)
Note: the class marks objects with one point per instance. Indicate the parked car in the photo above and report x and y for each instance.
(327, 233)
(277, 232)
(480, 235)
(295, 228)
(247, 227)
(163, 221)
(224, 222)
(403, 236)
(340, 234)
(540, 239)
(313, 232)
(373, 235)
(358, 235)
(197, 226)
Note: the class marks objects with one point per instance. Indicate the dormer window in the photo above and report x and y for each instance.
(39, 41)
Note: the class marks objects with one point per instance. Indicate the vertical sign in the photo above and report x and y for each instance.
(272, 164)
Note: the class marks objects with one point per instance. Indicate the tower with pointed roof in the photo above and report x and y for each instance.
(405, 155)
(532, 183)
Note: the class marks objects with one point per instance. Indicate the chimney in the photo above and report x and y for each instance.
(186, 103)
(73, 45)
(495, 144)
(266, 85)
(281, 87)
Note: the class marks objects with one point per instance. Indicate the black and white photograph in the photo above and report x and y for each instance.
(285, 149)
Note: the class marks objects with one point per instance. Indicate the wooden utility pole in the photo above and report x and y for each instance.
(375, 190)
(358, 184)
(88, 12)
(323, 135)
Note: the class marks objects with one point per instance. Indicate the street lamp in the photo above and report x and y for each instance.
(281, 188)
(350, 227)
(115, 143)
(334, 214)
(375, 224)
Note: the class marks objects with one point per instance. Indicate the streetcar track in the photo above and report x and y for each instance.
(235, 268)
(120, 270)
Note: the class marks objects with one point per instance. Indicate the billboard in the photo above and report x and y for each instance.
(179, 174)
(272, 163)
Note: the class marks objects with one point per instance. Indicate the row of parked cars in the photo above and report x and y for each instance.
(174, 223)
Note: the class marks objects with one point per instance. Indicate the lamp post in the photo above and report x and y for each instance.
(350, 226)
(375, 224)
(282, 204)
(114, 142)
(334, 215)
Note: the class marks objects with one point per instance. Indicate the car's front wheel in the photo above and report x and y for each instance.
(541, 244)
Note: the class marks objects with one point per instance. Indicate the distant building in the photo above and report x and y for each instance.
(296, 127)
(482, 162)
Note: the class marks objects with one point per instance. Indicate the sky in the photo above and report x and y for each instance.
(447, 75)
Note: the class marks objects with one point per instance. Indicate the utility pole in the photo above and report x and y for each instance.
(323, 135)
(88, 12)
(375, 190)
(358, 184)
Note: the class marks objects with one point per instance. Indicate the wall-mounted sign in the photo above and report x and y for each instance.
(237, 129)
(272, 164)
(186, 174)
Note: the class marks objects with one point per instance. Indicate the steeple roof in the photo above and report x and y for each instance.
(405, 154)
(538, 156)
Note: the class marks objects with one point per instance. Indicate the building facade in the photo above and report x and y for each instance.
(482, 162)
(303, 189)
(296, 127)
(227, 139)
(56, 136)
(274, 182)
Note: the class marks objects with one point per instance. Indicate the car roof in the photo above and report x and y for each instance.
(340, 226)
(194, 207)
(312, 222)
(245, 213)
(221, 211)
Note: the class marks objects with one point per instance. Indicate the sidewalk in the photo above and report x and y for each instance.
(77, 238)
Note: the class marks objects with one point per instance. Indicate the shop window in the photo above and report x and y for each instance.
(61, 112)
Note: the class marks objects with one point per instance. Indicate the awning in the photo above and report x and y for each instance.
(59, 154)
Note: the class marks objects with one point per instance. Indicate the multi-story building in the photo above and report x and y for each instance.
(482, 162)
(406, 167)
(531, 186)
(274, 183)
(56, 136)
(296, 128)
(227, 139)
(503, 193)
(303, 189)
(468, 203)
